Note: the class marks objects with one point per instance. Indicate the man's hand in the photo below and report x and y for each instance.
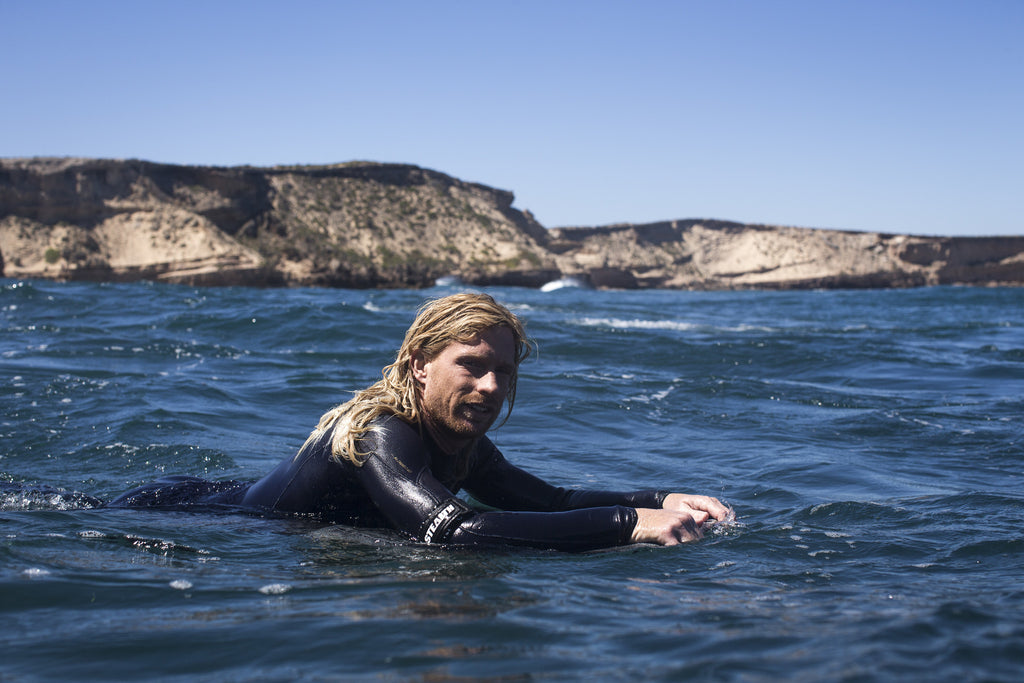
(701, 508)
(680, 520)
(667, 527)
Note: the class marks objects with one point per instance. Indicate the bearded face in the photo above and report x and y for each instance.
(464, 387)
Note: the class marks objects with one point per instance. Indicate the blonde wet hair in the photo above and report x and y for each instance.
(439, 323)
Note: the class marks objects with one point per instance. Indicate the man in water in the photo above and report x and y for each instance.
(397, 453)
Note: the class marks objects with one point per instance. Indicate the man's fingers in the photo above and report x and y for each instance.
(712, 506)
(706, 504)
(691, 529)
(699, 516)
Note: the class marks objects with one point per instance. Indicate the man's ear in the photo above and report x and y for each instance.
(418, 366)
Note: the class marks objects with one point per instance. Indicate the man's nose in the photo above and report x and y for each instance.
(488, 383)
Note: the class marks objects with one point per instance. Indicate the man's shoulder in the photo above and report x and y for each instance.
(390, 432)
(392, 424)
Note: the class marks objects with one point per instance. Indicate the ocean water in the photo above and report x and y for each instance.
(871, 443)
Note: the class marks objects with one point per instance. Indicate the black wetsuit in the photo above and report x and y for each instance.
(407, 483)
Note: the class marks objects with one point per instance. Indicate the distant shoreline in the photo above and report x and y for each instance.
(371, 225)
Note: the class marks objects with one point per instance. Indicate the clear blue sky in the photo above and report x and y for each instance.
(896, 116)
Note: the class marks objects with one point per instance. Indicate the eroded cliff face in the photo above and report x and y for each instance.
(351, 225)
(709, 254)
(390, 225)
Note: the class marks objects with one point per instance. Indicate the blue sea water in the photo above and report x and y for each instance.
(870, 442)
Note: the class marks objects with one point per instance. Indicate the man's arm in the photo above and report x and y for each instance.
(496, 482)
(397, 477)
(662, 517)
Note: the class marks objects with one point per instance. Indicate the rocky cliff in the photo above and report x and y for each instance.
(708, 254)
(389, 225)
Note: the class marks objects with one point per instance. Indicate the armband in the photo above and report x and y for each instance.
(442, 520)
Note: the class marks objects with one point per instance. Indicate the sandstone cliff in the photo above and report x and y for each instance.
(707, 254)
(389, 225)
(348, 225)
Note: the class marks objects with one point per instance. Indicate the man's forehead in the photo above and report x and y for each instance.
(499, 338)
(475, 336)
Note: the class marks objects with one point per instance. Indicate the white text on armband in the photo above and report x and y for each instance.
(442, 516)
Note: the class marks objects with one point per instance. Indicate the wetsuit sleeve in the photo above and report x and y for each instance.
(498, 483)
(571, 531)
(396, 475)
(398, 479)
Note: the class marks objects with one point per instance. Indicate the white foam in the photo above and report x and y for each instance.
(622, 324)
(275, 589)
(563, 283)
(448, 281)
(672, 325)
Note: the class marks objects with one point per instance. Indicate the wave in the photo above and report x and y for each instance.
(448, 281)
(27, 497)
(672, 325)
(564, 283)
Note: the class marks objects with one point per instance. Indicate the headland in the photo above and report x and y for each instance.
(373, 225)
